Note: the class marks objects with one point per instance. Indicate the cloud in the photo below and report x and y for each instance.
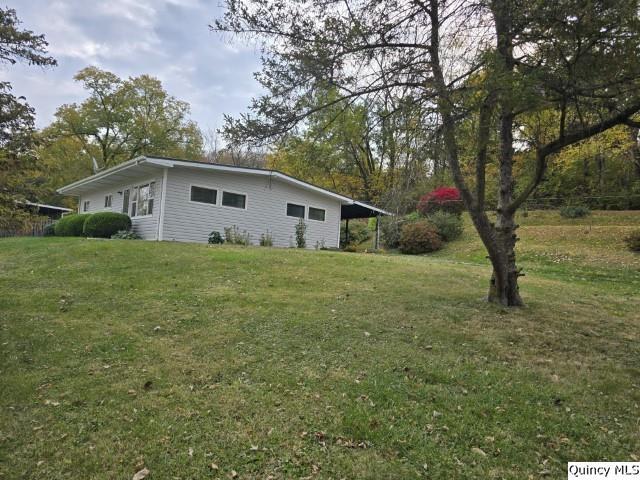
(168, 39)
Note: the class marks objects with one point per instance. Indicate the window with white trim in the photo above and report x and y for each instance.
(317, 214)
(204, 195)
(236, 200)
(142, 202)
(294, 210)
(108, 199)
(85, 206)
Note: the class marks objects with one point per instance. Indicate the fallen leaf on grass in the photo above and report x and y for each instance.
(141, 474)
(479, 451)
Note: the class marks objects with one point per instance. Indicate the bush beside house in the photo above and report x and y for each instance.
(71, 225)
(106, 224)
(448, 225)
(419, 237)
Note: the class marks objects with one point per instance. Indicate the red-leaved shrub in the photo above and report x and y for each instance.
(419, 237)
(445, 199)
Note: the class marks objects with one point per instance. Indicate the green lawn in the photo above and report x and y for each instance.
(199, 362)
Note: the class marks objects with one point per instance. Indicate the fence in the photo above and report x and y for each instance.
(32, 228)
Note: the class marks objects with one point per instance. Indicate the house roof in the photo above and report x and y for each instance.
(147, 164)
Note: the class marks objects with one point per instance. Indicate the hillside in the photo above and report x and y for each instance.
(199, 362)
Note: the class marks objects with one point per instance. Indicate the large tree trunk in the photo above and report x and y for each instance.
(635, 150)
(503, 288)
(500, 240)
(504, 281)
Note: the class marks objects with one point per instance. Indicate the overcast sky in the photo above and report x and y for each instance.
(168, 39)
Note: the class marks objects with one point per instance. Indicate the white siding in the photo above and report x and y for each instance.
(146, 227)
(266, 205)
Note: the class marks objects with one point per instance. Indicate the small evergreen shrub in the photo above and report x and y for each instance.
(419, 237)
(105, 224)
(301, 231)
(215, 238)
(234, 236)
(49, 230)
(448, 225)
(266, 239)
(574, 211)
(633, 241)
(71, 225)
(126, 235)
(446, 199)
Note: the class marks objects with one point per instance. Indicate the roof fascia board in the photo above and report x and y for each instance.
(104, 173)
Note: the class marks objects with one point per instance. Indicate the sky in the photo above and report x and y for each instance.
(167, 39)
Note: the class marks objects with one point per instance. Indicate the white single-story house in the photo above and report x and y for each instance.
(181, 200)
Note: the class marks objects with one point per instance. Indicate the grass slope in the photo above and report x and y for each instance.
(200, 362)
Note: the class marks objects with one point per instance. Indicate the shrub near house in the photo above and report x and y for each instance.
(419, 237)
(106, 224)
(448, 225)
(71, 225)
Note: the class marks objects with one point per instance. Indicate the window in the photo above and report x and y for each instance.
(125, 201)
(316, 214)
(294, 210)
(142, 202)
(236, 200)
(204, 195)
(107, 201)
(85, 206)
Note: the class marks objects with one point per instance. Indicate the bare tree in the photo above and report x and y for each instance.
(521, 74)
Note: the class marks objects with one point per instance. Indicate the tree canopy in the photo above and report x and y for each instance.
(122, 119)
(494, 78)
(17, 131)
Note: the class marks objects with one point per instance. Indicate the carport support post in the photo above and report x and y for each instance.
(346, 232)
(377, 232)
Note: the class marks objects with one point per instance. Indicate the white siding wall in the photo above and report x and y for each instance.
(266, 208)
(146, 227)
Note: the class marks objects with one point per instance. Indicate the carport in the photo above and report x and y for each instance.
(362, 210)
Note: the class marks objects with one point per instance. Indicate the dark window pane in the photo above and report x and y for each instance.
(125, 201)
(316, 214)
(150, 209)
(294, 210)
(234, 200)
(133, 209)
(203, 195)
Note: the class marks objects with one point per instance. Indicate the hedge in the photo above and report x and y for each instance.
(71, 225)
(419, 237)
(105, 224)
